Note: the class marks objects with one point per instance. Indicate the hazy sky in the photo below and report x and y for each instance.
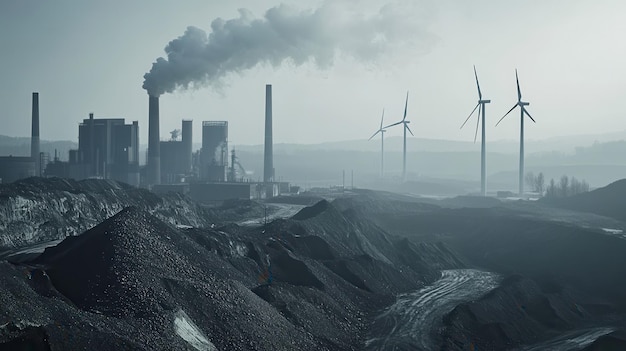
(90, 56)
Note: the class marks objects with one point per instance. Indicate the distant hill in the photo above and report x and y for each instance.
(608, 201)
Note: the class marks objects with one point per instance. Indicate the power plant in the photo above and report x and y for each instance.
(214, 152)
(108, 148)
(176, 163)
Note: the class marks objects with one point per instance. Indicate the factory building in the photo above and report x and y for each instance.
(107, 148)
(214, 152)
(176, 155)
(13, 168)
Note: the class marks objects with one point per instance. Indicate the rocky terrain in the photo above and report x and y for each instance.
(131, 270)
(36, 210)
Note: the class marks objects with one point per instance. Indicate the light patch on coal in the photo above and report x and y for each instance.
(412, 322)
(570, 341)
(189, 331)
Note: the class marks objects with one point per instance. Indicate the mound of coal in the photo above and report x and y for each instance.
(607, 201)
(311, 211)
(135, 267)
(501, 240)
(43, 209)
(615, 341)
(136, 282)
(301, 199)
(515, 313)
(38, 210)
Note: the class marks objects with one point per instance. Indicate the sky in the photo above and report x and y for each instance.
(356, 58)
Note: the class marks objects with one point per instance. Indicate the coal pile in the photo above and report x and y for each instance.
(37, 210)
(135, 282)
(516, 312)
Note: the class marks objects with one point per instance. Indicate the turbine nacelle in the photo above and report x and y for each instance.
(484, 101)
(522, 103)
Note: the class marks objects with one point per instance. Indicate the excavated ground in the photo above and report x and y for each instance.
(161, 273)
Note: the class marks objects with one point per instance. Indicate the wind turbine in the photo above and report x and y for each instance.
(405, 124)
(382, 131)
(523, 111)
(481, 108)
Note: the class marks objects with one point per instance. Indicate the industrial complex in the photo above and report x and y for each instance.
(108, 148)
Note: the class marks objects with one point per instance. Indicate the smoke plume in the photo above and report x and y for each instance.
(196, 59)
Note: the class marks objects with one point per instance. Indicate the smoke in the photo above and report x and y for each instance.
(196, 59)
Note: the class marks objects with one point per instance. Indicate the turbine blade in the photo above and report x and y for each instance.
(477, 124)
(470, 115)
(512, 108)
(381, 119)
(519, 91)
(378, 131)
(528, 114)
(480, 95)
(406, 104)
(409, 129)
(395, 124)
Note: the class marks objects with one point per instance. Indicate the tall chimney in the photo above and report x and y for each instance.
(154, 150)
(187, 143)
(34, 137)
(268, 164)
(92, 145)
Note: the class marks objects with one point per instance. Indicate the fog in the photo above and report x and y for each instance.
(91, 58)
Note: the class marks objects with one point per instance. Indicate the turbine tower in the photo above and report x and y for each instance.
(481, 108)
(382, 131)
(523, 112)
(405, 124)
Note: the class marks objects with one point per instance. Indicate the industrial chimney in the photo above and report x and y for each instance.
(187, 143)
(268, 164)
(92, 146)
(153, 173)
(34, 138)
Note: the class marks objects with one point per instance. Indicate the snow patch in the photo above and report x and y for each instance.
(612, 231)
(188, 331)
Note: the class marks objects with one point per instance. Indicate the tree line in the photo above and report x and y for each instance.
(565, 186)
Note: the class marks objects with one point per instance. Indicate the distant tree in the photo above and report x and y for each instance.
(564, 186)
(552, 191)
(540, 183)
(575, 187)
(529, 179)
(584, 186)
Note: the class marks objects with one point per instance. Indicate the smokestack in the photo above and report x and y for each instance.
(92, 145)
(34, 137)
(154, 151)
(187, 143)
(268, 164)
